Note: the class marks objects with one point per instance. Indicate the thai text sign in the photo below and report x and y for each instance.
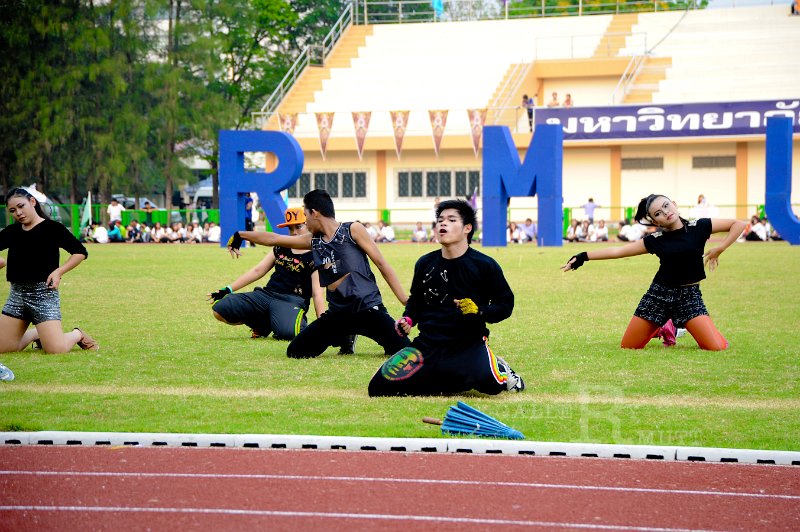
(679, 120)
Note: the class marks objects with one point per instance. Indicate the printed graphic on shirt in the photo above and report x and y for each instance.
(435, 285)
(402, 364)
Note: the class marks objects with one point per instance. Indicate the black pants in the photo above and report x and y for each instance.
(330, 328)
(421, 370)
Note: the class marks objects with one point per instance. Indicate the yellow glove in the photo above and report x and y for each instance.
(467, 306)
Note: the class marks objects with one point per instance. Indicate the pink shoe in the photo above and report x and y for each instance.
(667, 333)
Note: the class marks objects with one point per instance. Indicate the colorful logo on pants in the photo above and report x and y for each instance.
(402, 364)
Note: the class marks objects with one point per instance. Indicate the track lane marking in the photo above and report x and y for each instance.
(534, 485)
(338, 515)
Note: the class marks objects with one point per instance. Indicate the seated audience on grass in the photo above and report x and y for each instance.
(420, 234)
(583, 231)
(630, 232)
(158, 234)
(99, 234)
(134, 232)
(372, 232)
(385, 232)
(194, 235)
(115, 233)
(514, 234)
(214, 233)
(600, 232)
(529, 230)
(757, 232)
(572, 231)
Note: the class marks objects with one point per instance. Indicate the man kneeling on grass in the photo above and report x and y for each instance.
(455, 292)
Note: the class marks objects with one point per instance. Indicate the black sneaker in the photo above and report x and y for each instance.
(348, 347)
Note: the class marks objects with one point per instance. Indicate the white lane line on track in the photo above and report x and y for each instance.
(535, 485)
(337, 515)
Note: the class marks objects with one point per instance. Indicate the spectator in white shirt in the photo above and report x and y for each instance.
(385, 232)
(600, 233)
(420, 234)
(114, 211)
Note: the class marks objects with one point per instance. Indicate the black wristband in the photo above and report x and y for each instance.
(222, 292)
(235, 241)
(580, 258)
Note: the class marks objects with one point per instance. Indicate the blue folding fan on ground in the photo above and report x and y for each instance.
(462, 419)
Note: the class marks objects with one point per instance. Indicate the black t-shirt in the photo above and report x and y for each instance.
(292, 273)
(438, 281)
(34, 254)
(681, 253)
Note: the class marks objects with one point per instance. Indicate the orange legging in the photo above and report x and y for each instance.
(641, 331)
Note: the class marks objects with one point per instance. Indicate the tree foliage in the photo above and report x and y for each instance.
(109, 96)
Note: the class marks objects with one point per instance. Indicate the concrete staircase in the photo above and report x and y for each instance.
(646, 83)
(516, 82)
(614, 39)
(311, 79)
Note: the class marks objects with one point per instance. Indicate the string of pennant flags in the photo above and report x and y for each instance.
(361, 119)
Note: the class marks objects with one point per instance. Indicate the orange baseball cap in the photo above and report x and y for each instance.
(294, 216)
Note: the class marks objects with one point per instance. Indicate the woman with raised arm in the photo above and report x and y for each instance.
(675, 291)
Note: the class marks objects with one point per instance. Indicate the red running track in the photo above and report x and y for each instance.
(91, 488)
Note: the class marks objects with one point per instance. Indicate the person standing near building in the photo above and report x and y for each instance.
(114, 211)
(589, 208)
(528, 105)
(455, 292)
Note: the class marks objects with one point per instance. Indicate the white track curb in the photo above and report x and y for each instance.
(436, 445)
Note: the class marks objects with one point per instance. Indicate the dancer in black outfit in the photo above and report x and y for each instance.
(455, 292)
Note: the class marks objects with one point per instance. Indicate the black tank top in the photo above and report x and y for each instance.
(338, 258)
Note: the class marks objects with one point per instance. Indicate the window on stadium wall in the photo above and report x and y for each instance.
(643, 163)
(438, 183)
(714, 161)
(338, 183)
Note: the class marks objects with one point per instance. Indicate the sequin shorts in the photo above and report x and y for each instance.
(680, 303)
(33, 302)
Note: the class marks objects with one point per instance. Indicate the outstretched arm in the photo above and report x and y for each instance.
(362, 238)
(628, 250)
(734, 229)
(268, 239)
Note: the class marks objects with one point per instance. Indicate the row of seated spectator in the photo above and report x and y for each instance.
(137, 232)
(521, 234)
(586, 231)
(759, 230)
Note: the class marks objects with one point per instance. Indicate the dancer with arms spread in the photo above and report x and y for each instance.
(675, 291)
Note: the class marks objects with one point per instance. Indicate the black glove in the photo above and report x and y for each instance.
(235, 241)
(222, 292)
(580, 258)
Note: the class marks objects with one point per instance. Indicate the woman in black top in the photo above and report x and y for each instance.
(33, 245)
(675, 291)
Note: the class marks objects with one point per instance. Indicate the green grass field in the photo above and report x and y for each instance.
(166, 365)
